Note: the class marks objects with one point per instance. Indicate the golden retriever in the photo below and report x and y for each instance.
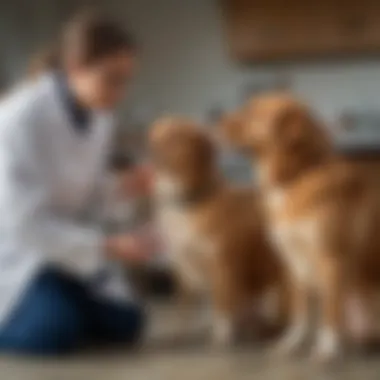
(323, 215)
(214, 232)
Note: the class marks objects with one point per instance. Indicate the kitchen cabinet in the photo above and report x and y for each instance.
(274, 30)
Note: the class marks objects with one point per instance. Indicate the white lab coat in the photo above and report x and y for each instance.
(48, 175)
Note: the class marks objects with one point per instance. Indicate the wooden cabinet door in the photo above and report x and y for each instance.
(276, 30)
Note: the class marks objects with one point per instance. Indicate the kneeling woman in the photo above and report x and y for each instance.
(56, 288)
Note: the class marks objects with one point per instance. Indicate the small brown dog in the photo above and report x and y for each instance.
(213, 232)
(323, 215)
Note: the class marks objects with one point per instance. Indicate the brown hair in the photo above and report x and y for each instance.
(46, 60)
(87, 38)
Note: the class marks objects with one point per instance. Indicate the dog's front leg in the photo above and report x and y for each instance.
(226, 299)
(361, 315)
(191, 299)
(331, 291)
(295, 335)
(188, 302)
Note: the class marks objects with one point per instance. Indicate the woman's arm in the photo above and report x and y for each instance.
(43, 230)
(125, 186)
(32, 222)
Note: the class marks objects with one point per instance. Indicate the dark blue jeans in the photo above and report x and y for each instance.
(58, 315)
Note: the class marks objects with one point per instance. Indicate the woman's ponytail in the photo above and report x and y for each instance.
(44, 61)
(86, 39)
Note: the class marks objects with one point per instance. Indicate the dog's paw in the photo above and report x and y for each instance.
(328, 347)
(291, 342)
(222, 332)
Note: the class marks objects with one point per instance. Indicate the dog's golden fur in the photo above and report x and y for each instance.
(323, 214)
(214, 231)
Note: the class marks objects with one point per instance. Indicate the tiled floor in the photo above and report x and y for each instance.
(160, 359)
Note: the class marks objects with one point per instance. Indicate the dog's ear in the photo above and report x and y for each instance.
(232, 128)
(208, 149)
(157, 130)
(295, 126)
(156, 138)
(160, 132)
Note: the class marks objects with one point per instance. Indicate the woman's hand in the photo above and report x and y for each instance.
(139, 182)
(134, 248)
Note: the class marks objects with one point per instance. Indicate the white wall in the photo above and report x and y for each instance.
(25, 28)
(185, 67)
(184, 64)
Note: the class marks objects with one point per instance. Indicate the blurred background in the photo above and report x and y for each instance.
(201, 54)
(203, 57)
